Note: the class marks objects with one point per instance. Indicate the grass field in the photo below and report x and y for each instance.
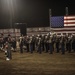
(38, 64)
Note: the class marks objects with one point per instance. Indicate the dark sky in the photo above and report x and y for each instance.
(33, 12)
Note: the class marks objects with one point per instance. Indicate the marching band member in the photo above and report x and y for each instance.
(40, 45)
(8, 49)
(50, 44)
(21, 45)
(31, 44)
(27, 43)
(46, 43)
(73, 42)
(62, 42)
(57, 44)
(14, 44)
(43, 44)
(1, 43)
(69, 44)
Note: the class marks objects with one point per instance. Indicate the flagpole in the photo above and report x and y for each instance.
(66, 15)
(50, 19)
(66, 11)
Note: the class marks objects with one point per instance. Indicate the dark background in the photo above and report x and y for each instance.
(33, 12)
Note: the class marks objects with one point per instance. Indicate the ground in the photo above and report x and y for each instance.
(38, 64)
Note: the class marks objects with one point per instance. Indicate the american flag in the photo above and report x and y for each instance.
(63, 24)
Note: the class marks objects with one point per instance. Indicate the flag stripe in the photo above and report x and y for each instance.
(69, 21)
(69, 25)
(69, 17)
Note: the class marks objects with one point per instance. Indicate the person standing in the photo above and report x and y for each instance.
(31, 44)
(69, 44)
(57, 44)
(21, 46)
(40, 45)
(73, 43)
(50, 44)
(46, 44)
(62, 42)
(27, 43)
(8, 49)
(14, 44)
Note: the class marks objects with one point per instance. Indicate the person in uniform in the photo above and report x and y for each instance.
(8, 48)
(62, 42)
(14, 44)
(27, 43)
(57, 44)
(24, 40)
(50, 44)
(43, 44)
(33, 37)
(40, 45)
(31, 44)
(73, 43)
(36, 43)
(46, 43)
(21, 45)
(1, 42)
(69, 43)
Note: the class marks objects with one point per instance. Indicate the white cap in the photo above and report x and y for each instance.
(61, 34)
(38, 35)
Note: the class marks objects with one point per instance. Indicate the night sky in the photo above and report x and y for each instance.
(33, 12)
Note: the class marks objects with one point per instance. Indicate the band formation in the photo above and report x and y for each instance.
(48, 43)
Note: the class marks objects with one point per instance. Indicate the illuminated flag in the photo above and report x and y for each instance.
(63, 24)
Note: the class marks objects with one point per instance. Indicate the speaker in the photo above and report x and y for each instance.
(23, 31)
(23, 28)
